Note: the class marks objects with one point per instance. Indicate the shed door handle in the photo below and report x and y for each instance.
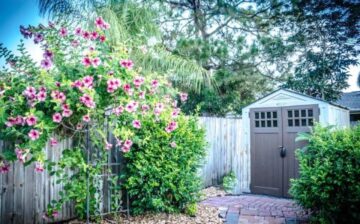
(282, 151)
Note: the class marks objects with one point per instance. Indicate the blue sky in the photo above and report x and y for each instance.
(14, 13)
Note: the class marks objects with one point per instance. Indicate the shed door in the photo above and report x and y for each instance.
(273, 133)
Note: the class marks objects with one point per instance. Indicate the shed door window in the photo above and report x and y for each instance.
(300, 117)
(266, 119)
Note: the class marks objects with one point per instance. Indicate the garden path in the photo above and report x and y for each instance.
(257, 209)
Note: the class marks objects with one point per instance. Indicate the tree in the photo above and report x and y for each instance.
(134, 28)
(232, 39)
(326, 36)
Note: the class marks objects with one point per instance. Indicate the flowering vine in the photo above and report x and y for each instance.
(79, 79)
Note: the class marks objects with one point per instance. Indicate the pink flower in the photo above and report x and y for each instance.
(154, 84)
(78, 31)
(102, 38)
(183, 97)
(175, 113)
(118, 110)
(126, 63)
(57, 117)
(94, 35)
(171, 126)
(173, 144)
(96, 62)
(136, 124)
(86, 35)
(53, 142)
(48, 55)
(131, 106)
(138, 81)
(86, 118)
(113, 84)
(67, 113)
(75, 43)
(87, 81)
(19, 120)
(63, 32)
(142, 94)
(87, 101)
(34, 134)
(108, 146)
(159, 107)
(41, 96)
(99, 22)
(65, 106)
(145, 107)
(4, 167)
(86, 61)
(79, 126)
(126, 146)
(46, 64)
(21, 154)
(31, 120)
(57, 95)
(118, 142)
(39, 167)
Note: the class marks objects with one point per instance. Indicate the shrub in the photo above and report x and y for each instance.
(329, 183)
(160, 174)
(229, 182)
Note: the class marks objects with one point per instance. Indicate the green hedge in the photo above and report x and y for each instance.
(329, 182)
(163, 178)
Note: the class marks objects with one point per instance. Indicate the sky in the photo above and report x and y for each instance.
(14, 13)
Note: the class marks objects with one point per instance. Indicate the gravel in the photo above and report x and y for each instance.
(204, 214)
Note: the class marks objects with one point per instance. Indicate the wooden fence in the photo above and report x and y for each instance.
(225, 152)
(25, 194)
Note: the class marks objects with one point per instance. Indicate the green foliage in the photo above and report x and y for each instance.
(191, 209)
(162, 178)
(229, 182)
(329, 175)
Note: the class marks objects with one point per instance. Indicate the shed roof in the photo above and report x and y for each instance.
(300, 94)
(350, 100)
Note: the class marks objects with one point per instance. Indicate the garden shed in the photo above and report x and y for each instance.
(270, 126)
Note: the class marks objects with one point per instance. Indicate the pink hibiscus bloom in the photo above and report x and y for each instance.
(4, 167)
(145, 107)
(87, 81)
(138, 81)
(86, 61)
(86, 118)
(136, 124)
(53, 142)
(78, 31)
(171, 126)
(96, 62)
(21, 154)
(126, 63)
(31, 120)
(86, 35)
(87, 101)
(41, 96)
(175, 113)
(102, 38)
(99, 22)
(142, 94)
(57, 117)
(39, 167)
(118, 110)
(154, 84)
(46, 64)
(183, 97)
(34, 134)
(94, 35)
(67, 113)
(126, 146)
(63, 32)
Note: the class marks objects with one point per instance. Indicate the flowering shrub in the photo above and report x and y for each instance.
(80, 78)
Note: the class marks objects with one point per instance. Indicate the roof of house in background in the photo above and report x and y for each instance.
(350, 100)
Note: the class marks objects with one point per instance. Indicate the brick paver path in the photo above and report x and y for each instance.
(258, 209)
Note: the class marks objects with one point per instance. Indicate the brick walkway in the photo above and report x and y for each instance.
(257, 209)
